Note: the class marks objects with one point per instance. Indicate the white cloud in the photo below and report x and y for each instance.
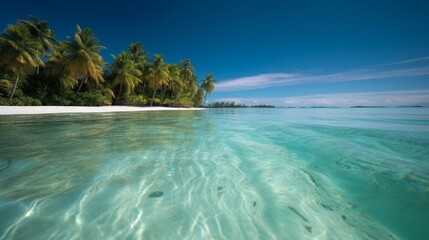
(392, 70)
(391, 98)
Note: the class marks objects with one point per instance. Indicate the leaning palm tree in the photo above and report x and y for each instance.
(41, 33)
(125, 73)
(82, 58)
(158, 75)
(18, 52)
(193, 85)
(208, 85)
(198, 97)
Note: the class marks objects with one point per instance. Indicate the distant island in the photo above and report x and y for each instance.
(235, 105)
(37, 69)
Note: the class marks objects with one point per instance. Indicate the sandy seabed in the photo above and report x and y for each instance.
(18, 110)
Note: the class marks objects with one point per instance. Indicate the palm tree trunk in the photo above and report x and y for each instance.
(120, 90)
(205, 98)
(144, 86)
(151, 101)
(14, 87)
(80, 85)
(37, 65)
(163, 93)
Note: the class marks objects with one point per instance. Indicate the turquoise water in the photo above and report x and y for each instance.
(216, 174)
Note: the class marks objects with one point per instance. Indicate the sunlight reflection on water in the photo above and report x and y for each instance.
(216, 174)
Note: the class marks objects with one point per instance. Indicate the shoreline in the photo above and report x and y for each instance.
(32, 110)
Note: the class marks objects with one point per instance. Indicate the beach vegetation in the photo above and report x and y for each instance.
(126, 74)
(208, 85)
(38, 69)
(18, 53)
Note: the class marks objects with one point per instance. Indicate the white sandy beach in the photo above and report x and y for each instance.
(18, 110)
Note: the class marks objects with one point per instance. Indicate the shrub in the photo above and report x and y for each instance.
(156, 101)
(24, 101)
(4, 101)
(5, 87)
(137, 100)
(90, 98)
(69, 98)
(166, 102)
(183, 101)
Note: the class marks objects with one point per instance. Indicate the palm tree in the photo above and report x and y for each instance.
(194, 85)
(208, 85)
(176, 83)
(125, 73)
(139, 56)
(198, 97)
(56, 67)
(187, 72)
(174, 77)
(40, 33)
(137, 52)
(82, 58)
(158, 74)
(18, 52)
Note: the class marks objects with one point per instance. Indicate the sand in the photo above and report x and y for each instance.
(18, 110)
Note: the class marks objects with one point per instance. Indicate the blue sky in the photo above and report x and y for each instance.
(287, 53)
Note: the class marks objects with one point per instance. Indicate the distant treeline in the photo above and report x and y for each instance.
(236, 105)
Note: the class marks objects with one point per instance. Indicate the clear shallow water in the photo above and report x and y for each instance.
(216, 174)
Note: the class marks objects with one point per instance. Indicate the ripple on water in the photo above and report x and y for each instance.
(276, 174)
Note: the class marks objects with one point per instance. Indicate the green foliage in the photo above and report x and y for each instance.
(139, 56)
(63, 99)
(187, 71)
(20, 101)
(156, 101)
(69, 98)
(208, 85)
(137, 100)
(81, 57)
(40, 33)
(198, 98)
(108, 95)
(91, 98)
(4, 101)
(56, 68)
(159, 75)
(183, 100)
(39, 86)
(166, 102)
(5, 87)
(18, 52)
(126, 74)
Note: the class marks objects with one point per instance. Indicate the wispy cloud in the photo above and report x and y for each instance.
(407, 68)
(390, 98)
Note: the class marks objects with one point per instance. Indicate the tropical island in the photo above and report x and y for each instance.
(37, 69)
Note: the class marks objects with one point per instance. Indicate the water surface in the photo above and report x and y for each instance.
(216, 174)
